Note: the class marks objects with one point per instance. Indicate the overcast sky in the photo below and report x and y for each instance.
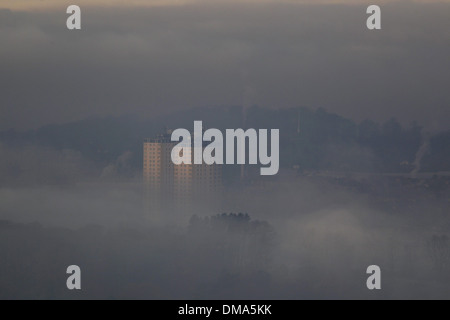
(150, 59)
(52, 4)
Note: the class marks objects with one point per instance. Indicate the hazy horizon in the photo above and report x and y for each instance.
(78, 187)
(148, 61)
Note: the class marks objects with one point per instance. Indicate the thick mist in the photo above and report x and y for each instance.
(350, 193)
(306, 237)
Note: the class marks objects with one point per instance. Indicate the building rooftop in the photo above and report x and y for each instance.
(167, 138)
(160, 138)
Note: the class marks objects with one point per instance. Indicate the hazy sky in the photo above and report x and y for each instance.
(213, 53)
(45, 4)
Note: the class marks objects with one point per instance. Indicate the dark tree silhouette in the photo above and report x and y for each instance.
(246, 243)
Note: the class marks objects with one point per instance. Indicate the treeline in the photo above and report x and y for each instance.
(310, 139)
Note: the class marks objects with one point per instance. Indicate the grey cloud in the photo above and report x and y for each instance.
(150, 61)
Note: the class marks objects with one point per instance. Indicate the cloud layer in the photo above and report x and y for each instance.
(149, 61)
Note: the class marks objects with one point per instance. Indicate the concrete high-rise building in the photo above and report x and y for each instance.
(177, 187)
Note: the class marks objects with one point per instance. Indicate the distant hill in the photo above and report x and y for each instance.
(310, 139)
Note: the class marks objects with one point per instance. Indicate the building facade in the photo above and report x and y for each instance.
(170, 187)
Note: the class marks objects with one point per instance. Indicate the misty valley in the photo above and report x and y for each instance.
(348, 196)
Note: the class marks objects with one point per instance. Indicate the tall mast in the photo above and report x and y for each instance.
(244, 118)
